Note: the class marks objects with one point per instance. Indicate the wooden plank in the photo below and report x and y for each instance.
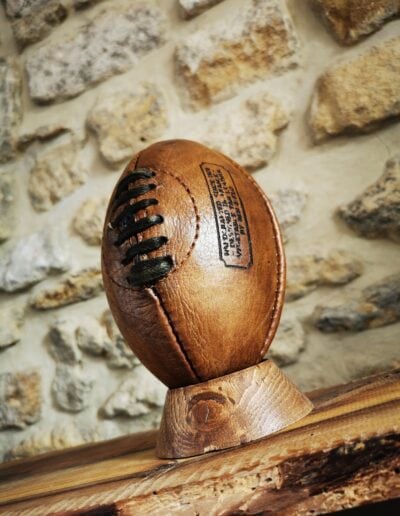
(78, 456)
(346, 452)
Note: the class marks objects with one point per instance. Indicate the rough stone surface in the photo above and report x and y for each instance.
(288, 205)
(137, 395)
(289, 342)
(7, 200)
(249, 134)
(63, 342)
(110, 44)
(19, 8)
(37, 25)
(32, 258)
(11, 322)
(92, 337)
(120, 356)
(376, 212)
(83, 4)
(256, 40)
(306, 273)
(10, 107)
(357, 96)
(89, 220)
(127, 121)
(378, 305)
(20, 399)
(41, 134)
(191, 8)
(352, 19)
(45, 440)
(71, 388)
(79, 286)
(56, 172)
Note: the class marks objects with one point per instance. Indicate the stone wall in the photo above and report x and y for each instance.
(306, 95)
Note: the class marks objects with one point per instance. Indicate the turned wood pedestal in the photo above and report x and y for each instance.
(228, 411)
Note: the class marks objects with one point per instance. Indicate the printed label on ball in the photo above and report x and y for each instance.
(233, 230)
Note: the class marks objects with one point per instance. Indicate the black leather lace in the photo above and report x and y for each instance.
(144, 271)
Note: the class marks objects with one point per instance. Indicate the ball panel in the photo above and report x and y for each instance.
(144, 325)
(137, 311)
(224, 301)
(218, 308)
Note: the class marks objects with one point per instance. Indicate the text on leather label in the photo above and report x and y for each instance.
(230, 217)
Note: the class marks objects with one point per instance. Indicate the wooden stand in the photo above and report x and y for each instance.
(229, 411)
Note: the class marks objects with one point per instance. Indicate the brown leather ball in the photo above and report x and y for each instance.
(192, 263)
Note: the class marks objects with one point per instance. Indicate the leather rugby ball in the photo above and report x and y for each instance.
(192, 262)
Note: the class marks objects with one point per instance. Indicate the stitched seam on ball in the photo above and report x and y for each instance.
(196, 211)
(175, 333)
(170, 325)
(278, 290)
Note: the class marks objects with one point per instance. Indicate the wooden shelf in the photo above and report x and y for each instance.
(344, 454)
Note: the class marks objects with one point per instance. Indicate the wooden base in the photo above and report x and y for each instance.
(229, 411)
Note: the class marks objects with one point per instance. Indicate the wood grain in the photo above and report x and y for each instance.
(345, 453)
(228, 411)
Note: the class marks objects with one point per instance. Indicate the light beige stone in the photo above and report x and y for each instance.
(136, 396)
(45, 440)
(357, 96)
(378, 305)
(10, 107)
(63, 342)
(306, 273)
(38, 24)
(253, 42)
(11, 322)
(120, 355)
(71, 335)
(71, 388)
(288, 205)
(350, 20)
(56, 172)
(376, 212)
(289, 341)
(89, 220)
(7, 204)
(249, 133)
(111, 43)
(127, 121)
(191, 8)
(80, 286)
(32, 258)
(41, 134)
(92, 337)
(19, 8)
(20, 399)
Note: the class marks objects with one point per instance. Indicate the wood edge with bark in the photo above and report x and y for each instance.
(344, 454)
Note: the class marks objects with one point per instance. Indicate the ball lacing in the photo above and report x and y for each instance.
(144, 271)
